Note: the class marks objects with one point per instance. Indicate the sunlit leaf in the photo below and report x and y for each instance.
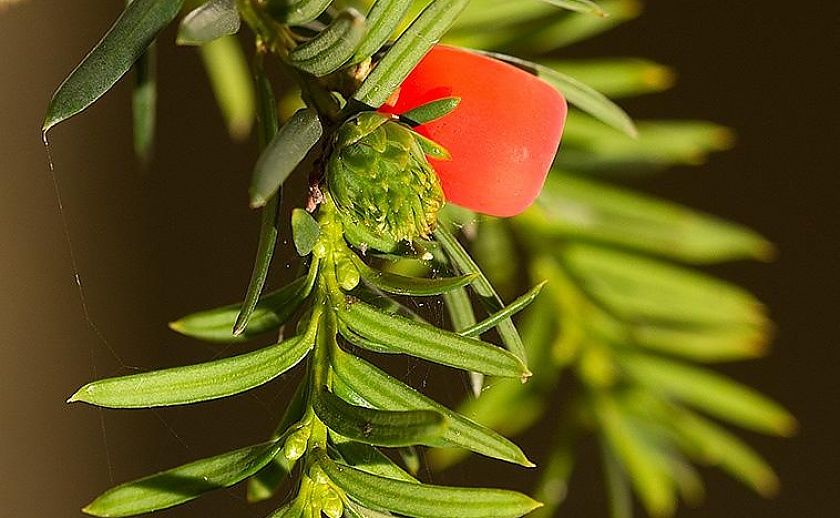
(641, 461)
(387, 393)
(184, 483)
(195, 383)
(507, 312)
(408, 50)
(378, 427)
(572, 207)
(591, 148)
(121, 46)
(581, 6)
(639, 289)
(710, 392)
(617, 77)
(425, 500)
(211, 20)
(230, 79)
(403, 335)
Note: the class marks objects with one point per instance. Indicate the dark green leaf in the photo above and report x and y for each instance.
(425, 500)
(408, 50)
(431, 111)
(403, 335)
(269, 230)
(121, 46)
(283, 154)
(378, 427)
(211, 20)
(184, 483)
(272, 311)
(711, 392)
(230, 79)
(574, 207)
(332, 47)
(461, 314)
(297, 12)
(305, 231)
(144, 103)
(387, 393)
(414, 286)
(195, 383)
(382, 20)
(618, 485)
(482, 286)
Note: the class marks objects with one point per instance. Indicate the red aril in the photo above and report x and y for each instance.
(502, 136)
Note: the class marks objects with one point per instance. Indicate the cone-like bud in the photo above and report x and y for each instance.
(379, 177)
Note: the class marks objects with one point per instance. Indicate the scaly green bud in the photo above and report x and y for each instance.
(295, 445)
(380, 178)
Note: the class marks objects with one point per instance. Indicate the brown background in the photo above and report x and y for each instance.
(153, 245)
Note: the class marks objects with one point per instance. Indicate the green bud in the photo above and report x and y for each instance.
(380, 178)
(295, 445)
(346, 272)
(331, 503)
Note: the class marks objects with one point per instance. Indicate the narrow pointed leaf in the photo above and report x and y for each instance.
(144, 103)
(507, 312)
(639, 289)
(305, 231)
(580, 6)
(618, 485)
(718, 447)
(230, 78)
(403, 335)
(414, 286)
(209, 21)
(297, 12)
(112, 57)
(378, 427)
(184, 483)
(370, 460)
(283, 154)
(195, 383)
(425, 500)
(431, 111)
(408, 50)
(387, 393)
(269, 227)
(332, 47)
(579, 94)
(483, 287)
(574, 207)
(617, 77)
(382, 20)
(710, 392)
(271, 311)
(639, 458)
(461, 314)
(703, 344)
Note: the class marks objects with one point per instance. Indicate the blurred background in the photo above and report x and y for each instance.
(151, 244)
